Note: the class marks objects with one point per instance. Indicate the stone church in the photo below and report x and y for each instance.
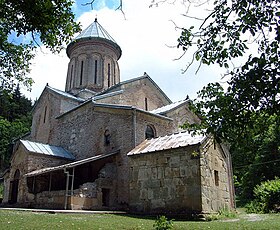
(107, 144)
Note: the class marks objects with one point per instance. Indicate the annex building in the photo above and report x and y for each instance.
(106, 144)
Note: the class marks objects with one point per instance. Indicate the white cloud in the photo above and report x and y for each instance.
(144, 36)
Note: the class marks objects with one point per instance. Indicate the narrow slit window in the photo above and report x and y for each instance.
(109, 74)
(82, 70)
(45, 114)
(107, 137)
(71, 76)
(95, 72)
(216, 177)
(114, 76)
(146, 104)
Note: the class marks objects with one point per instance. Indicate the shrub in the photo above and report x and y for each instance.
(223, 213)
(267, 197)
(1, 190)
(162, 223)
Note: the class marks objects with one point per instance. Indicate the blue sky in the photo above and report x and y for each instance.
(148, 39)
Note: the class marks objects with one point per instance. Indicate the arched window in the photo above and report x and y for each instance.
(107, 137)
(150, 132)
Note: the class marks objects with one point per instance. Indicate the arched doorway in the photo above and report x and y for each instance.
(14, 187)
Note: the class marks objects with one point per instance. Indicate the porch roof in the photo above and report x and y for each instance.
(50, 150)
(70, 165)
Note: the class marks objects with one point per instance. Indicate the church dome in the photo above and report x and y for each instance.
(93, 64)
(95, 31)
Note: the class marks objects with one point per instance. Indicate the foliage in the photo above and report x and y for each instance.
(223, 213)
(24, 25)
(15, 121)
(226, 34)
(267, 197)
(246, 113)
(1, 190)
(162, 223)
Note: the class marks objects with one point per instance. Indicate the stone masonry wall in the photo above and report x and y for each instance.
(82, 133)
(165, 182)
(181, 115)
(26, 162)
(214, 179)
(136, 93)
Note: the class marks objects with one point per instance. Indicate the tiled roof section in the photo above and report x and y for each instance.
(95, 30)
(49, 150)
(173, 141)
(168, 108)
(71, 165)
(62, 93)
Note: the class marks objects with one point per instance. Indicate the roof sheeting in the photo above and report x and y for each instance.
(62, 93)
(95, 30)
(169, 107)
(70, 165)
(49, 150)
(175, 140)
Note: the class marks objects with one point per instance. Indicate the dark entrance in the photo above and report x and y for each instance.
(14, 187)
(105, 197)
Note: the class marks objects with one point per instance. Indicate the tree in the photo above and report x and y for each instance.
(15, 121)
(246, 114)
(25, 25)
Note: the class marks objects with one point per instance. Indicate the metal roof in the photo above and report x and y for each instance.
(49, 150)
(63, 93)
(95, 30)
(70, 165)
(169, 107)
(172, 141)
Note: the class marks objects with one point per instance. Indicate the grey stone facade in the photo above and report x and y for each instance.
(83, 140)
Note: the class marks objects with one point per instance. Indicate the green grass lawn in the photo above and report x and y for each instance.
(33, 220)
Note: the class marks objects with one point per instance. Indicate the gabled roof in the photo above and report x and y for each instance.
(172, 141)
(64, 94)
(49, 150)
(58, 92)
(167, 108)
(145, 76)
(113, 106)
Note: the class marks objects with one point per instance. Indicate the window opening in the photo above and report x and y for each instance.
(146, 104)
(107, 137)
(71, 76)
(95, 72)
(82, 69)
(216, 177)
(45, 114)
(149, 133)
(109, 74)
(114, 76)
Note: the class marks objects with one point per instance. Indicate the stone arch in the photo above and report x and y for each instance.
(150, 132)
(14, 187)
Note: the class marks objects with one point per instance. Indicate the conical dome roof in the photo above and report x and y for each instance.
(95, 30)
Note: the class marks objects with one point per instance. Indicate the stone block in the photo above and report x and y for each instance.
(143, 194)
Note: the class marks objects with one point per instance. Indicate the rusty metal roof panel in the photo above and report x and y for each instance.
(49, 150)
(175, 140)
